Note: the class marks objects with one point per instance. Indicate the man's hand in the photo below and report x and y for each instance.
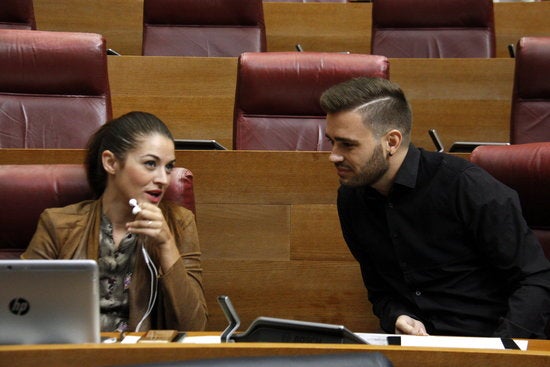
(407, 325)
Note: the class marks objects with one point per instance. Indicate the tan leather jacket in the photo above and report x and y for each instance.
(72, 232)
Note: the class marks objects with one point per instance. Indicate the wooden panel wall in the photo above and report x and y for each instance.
(269, 233)
(465, 99)
(316, 26)
(194, 96)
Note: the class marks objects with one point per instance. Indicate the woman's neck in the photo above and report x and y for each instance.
(118, 211)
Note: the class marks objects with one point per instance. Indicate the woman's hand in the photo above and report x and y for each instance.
(407, 325)
(150, 222)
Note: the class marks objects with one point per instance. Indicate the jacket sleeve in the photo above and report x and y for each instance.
(43, 244)
(182, 301)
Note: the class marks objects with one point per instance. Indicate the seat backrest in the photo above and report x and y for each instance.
(530, 116)
(359, 359)
(433, 29)
(54, 88)
(203, 27)
(277, 96)
(17, 14)
(526, 169)
(26, 190)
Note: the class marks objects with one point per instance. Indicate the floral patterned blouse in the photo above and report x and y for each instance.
(115, 274)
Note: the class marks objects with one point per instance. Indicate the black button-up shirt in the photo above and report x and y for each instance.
(448, 246)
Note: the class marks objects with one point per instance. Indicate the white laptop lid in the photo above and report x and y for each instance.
(49, 302)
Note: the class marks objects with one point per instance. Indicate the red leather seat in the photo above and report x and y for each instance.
(203, 27)
(54, 88)
(17, 14)
(530, 117)
(26, 190)
(526, 169)
(433, 29)
(277, 96)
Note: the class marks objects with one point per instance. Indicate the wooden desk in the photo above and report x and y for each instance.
(538, 354)
(464, 99)
(316, 26)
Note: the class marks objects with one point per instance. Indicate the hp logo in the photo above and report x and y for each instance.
(19, 306)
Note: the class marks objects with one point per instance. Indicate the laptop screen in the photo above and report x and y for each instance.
(49, 302)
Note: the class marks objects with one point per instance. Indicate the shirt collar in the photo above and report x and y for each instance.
(408, 172)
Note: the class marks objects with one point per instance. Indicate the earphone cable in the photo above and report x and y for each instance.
(153, 287)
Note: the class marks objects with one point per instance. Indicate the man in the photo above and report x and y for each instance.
(442, 245)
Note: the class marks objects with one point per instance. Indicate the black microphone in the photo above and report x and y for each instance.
(110, 51)
(435, 138)
(511, 50)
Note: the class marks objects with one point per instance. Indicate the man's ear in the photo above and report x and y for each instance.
(110, 162)
(394, 138)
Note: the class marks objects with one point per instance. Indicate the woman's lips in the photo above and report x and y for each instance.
(154, 196)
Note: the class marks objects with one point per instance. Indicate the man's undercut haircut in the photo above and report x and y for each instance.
(381, 104)
(366, 104)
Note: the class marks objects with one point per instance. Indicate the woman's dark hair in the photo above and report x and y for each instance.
(119, 136)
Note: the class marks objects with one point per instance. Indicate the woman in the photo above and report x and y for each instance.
(130, 159)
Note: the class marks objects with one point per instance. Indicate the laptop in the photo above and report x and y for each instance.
(459, 146)
(198, 144)
(49, 302)
(469, 146)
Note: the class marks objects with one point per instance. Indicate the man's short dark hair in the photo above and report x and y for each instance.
(381, 103)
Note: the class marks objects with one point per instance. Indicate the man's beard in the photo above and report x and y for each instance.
(372, 171)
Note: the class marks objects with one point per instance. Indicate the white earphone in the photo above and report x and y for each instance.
(136, 208)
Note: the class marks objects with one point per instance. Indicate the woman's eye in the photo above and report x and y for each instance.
(169, 167)
(151, 164)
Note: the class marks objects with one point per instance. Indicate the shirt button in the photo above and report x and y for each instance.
(418, 293)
